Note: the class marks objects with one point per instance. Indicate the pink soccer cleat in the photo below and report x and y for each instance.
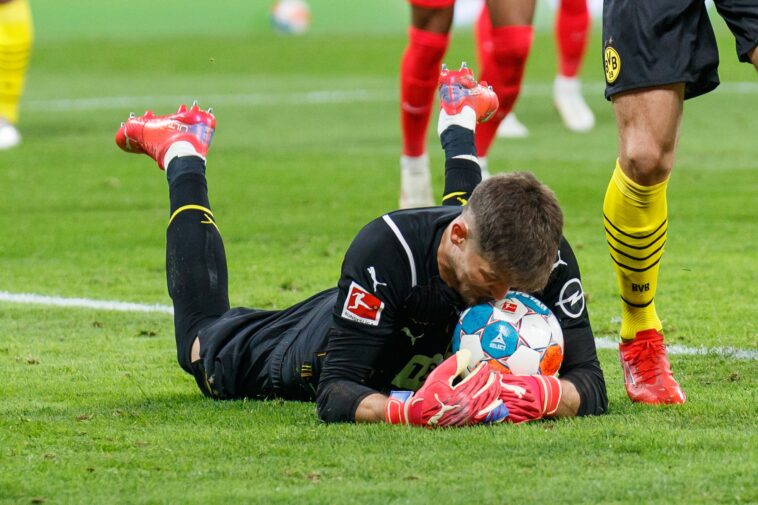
(647, 372)
(459, 89)
(153, 135)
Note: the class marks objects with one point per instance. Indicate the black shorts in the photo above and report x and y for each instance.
(251, 353)
(650, 43)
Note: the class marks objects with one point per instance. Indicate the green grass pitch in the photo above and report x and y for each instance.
(93, 407)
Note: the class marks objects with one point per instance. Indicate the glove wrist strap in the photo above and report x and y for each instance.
(394, 409)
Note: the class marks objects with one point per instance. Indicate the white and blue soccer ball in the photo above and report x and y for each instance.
(517, 335)
(291, 17)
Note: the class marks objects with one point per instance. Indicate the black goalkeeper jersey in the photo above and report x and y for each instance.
(388, 323)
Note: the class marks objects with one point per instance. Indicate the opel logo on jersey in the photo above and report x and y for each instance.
(571, 299)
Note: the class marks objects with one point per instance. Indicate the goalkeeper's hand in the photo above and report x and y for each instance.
(440, 402)
(530, 397)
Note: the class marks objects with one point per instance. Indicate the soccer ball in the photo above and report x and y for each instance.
(517, 334)
(291, 17)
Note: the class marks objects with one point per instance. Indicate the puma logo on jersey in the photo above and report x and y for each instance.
(372, 273)
(558, 262)
(407, 332)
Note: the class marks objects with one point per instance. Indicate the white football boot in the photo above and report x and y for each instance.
(568, 99)
(9, 136)
(415, 182)
(511, 128)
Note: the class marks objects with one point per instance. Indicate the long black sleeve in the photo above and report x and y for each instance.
(565, 297)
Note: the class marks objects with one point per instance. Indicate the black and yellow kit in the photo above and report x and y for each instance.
(650, 43)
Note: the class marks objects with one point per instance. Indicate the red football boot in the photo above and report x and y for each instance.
(153, 135)
(647, 372)
(458, 89)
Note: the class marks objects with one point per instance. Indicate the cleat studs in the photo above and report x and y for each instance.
(464, 65)
(444, 67)
(182, 108)
(210, 110)
(194, 103)
(132, 115)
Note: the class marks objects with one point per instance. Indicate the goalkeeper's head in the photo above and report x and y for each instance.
(507, 237)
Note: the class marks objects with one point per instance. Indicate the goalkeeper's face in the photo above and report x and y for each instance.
(465, 270)
(475, 279)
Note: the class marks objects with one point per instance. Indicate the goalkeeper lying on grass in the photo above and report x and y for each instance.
(405, 278)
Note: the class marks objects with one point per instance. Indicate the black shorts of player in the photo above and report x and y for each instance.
(252, 353)
(649, 43)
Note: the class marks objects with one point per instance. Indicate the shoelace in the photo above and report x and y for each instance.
(647, 359)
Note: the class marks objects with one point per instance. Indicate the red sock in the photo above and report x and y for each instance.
(571, 32)
(419, 71)
(503, 51)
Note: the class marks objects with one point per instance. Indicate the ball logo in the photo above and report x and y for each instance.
(612, 64)
(509, 307)
(362, 306)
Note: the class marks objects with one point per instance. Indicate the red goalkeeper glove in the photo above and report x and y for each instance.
(530, 397)
(439, 402)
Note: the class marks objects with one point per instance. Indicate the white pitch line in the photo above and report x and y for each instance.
(276, 99)
(724, 352)
(82, 303)
(88, 303)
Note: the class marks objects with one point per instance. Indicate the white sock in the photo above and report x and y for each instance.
(466, 118)
(179, 149)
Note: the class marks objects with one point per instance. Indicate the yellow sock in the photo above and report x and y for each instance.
(636, 220)
(15, 45)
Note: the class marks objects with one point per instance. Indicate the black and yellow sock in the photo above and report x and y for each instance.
(15, 45)
(462, 171)
(636, 221)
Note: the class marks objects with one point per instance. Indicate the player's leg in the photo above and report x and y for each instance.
(195, 260)
(463, 104)
(504, 38)
(428, 39)
(15, 46)
(648, 93)
(636, 224)
(571, 33)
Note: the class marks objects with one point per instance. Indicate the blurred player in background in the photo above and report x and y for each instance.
(656, 55)
(504, 38)
(572, 30)
(15, 46)
(428, 39)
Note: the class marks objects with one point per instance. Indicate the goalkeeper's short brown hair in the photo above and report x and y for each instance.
(518, 224)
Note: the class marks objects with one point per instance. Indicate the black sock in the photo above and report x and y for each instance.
(195, 259)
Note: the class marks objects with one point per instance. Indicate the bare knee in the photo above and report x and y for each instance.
(648, 121)
(646, 160)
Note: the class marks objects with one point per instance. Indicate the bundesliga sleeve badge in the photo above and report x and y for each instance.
(361, 306)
